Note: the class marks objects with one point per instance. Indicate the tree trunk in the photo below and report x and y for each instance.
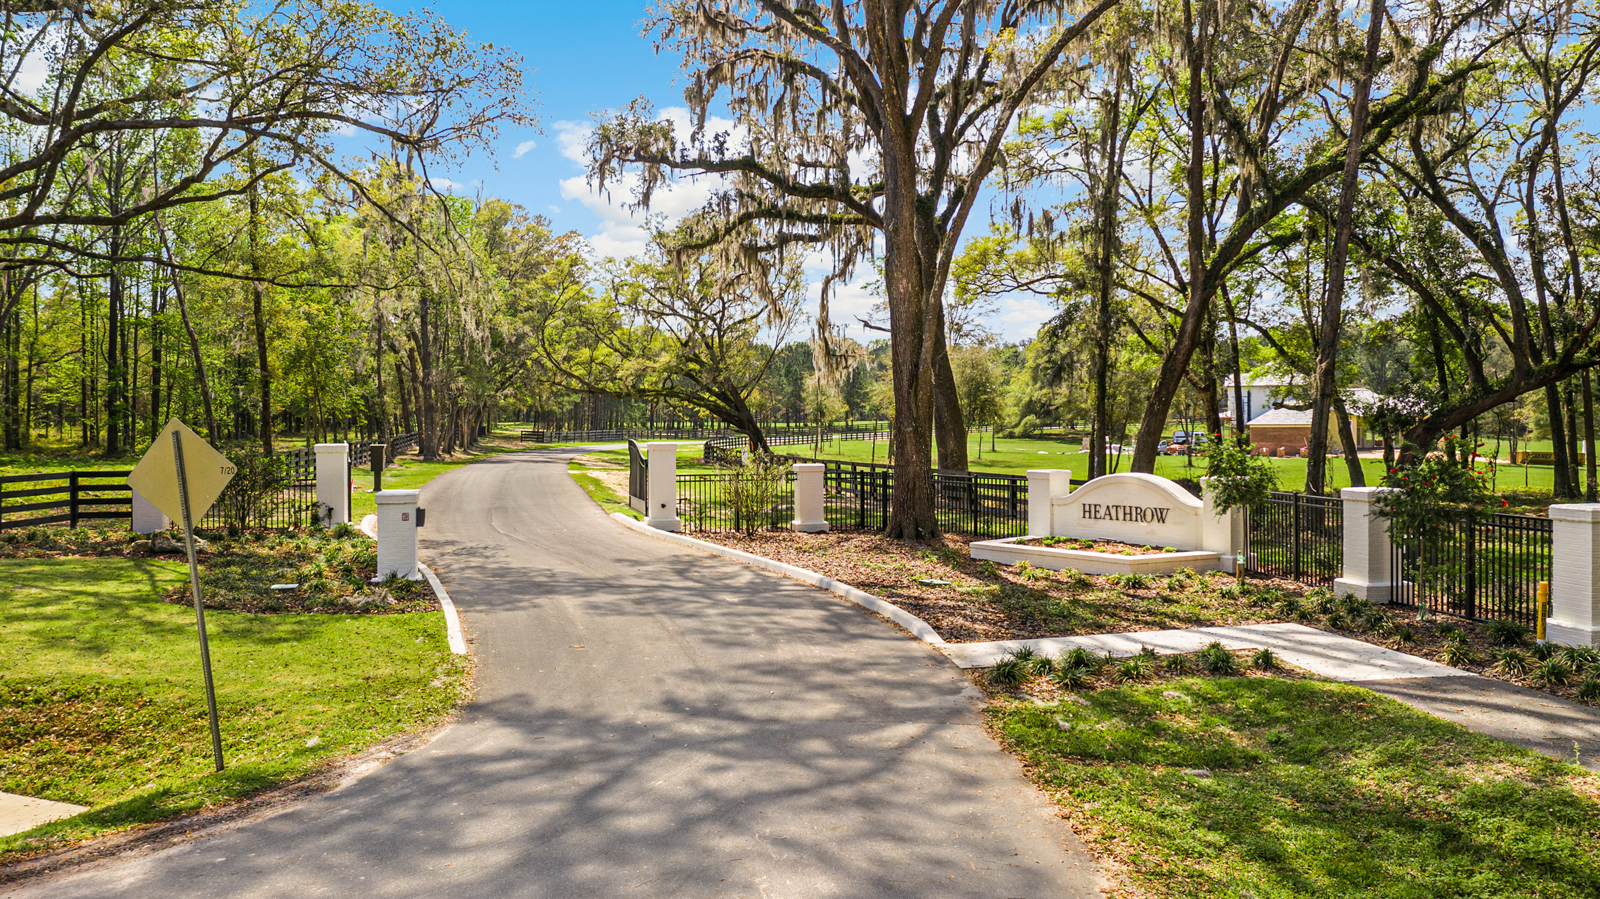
(1174, 364)
(263, 371)
(914, 331)
(1347, 440)
(949, 425)
(1590, 488)
(114, 377)
(429, 422)
(1324, 372)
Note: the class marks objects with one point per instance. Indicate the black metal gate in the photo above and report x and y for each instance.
(1474, 566)
(1298, 536)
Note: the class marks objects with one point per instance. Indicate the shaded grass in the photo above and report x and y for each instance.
(1316, 789)
(412, 474)
(609, 500)
(101, 700)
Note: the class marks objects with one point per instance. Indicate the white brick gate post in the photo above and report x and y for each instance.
(1366, 548)
(333, 482)
(1044, 485)
(810, 515)
(663, 487)
(1575, 580)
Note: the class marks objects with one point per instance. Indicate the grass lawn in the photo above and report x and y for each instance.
(1017, 456)
(1316, 790)
(102, 703)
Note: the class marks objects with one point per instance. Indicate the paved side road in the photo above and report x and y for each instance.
(650, 722)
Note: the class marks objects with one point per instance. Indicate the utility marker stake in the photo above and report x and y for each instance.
(199, 605)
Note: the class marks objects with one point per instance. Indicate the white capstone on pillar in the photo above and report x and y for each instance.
(333, 482)
(663, 489)
(1223, 534)
(1575, 575)
(1044, 485)
(147, 519)
(397, 533)
(1366, 548)
(810, 515)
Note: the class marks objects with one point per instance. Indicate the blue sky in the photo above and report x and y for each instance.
(587, 57)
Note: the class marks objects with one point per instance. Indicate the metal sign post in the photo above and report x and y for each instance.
(183, 487)
(199, 604)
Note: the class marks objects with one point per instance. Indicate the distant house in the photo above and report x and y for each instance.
(1282, 431)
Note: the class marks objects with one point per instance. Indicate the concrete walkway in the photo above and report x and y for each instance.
(651, 722)
(19, 813)
(1531, 718)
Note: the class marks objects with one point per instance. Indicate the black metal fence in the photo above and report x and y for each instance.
(64, 497)
(724, 502)
(1298, 536)
(1474, 566)
(291, 502)
(857, 496)
(727, 447)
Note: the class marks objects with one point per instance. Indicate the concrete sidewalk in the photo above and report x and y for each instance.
(1539, 721)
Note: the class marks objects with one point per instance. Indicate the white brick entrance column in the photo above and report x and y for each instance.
(1366, 548)
(333, 482)
(1044, 485)
(397, 533)
(663, 487)
(1575, 582)
(810, 515)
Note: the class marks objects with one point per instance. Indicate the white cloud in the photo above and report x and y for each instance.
(571, 137)
(523, 148)
(444, 184)
(554, 208)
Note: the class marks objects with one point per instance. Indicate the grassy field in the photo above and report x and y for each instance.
(1017, 456)
(101, 700)
(1309, 789)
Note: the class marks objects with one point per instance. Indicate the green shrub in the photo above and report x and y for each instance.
(1080, 657)
(1589, 688)
(1507, 633)
(1263, 660)
(1073, 677)
(1009, 672)
(1132, 669)
(1218, 660)
(1552, 673)
(1512, 662)
(1179, 663)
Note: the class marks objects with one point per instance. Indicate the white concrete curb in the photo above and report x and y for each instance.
(919, 628)
(452, 621)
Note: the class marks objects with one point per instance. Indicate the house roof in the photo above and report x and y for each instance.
(1282, 418)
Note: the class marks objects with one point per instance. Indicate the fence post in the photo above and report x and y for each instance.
(1044, 485)
(810, 515)
(1575, 575)
(1470, 575)
(1367, 562)
(333, 482)
(72, 499)
(1296, 522)
(663, 487)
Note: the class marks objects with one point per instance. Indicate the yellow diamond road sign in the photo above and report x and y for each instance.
(156, 475)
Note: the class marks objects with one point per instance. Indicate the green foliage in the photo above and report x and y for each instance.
(1264, 660)
(1505, 632)
(1237, 478)
(1513, 662)
(1218, 659)
(1010, 672)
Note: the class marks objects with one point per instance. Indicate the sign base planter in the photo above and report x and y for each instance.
(1011, 550)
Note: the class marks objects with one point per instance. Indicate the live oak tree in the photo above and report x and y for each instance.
(681, 329)
(856, 123)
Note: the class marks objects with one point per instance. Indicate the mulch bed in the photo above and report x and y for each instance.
(1110, 547)
(334, 568)
(969, 601)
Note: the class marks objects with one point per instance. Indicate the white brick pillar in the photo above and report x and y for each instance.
(147, 519)
(1366, 548)
(1575, 580)
(809, 513)
(333, 482)
(1223, 534)
(663, 487)
(397, 533)
(1044, 485)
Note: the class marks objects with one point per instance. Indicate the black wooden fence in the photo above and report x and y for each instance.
(64, 497)
(1474, 566)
